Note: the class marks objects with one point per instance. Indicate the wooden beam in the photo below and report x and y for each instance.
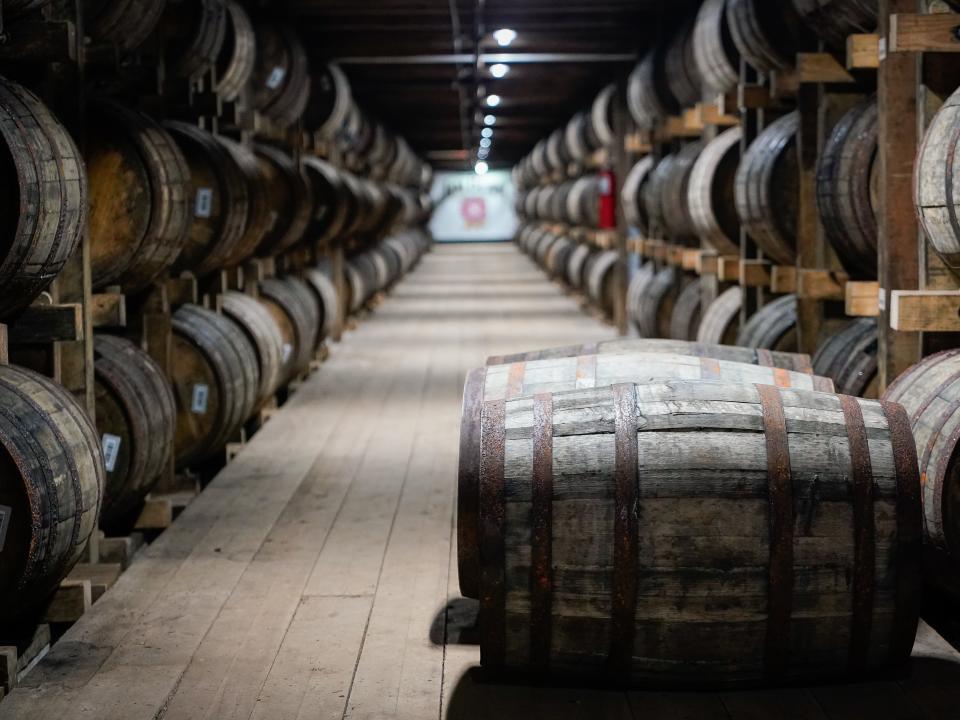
(862, 299)
(783, 279)
(4, 346)
(728, 269)
(821, 68)
(754, 273)
(47, 324)
(912, 32)
(71, 600)
(925, 310)
(863, 52)
(39, 41)
(109, 309)
(821, 285)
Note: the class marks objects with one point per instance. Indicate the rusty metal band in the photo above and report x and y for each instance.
(515, 380)
(782, 378)
(493, 609)
(780, 493)
(625, 531)
(709, 369)
(909, 533)
(541, 533)
(586, 371)
(468, 485)
(764, 358)
(864, 534)
(823, 384)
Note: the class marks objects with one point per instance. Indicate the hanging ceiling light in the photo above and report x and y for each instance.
(493, 100)
(487, 132)
(481, 168)
(504, 36)
(499, 70)
(489, 120)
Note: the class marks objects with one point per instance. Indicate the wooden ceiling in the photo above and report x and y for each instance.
(421, 66)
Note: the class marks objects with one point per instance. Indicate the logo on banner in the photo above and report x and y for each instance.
(474, 211)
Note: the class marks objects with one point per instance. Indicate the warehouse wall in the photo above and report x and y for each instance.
(473, 208)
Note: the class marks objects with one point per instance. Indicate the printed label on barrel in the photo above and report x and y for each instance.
(4, 523)
(276, 77)
(287, 352)
(111, 450)
(201, 394)
(204, 205)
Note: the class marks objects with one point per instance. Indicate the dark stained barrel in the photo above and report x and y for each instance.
(834, 20)
(799, 362)
(602, 281)
(653, 195)
(260, 214)
(332, 204)
(773, 327)
(647, 535)
(768, 192)
(194, 32)
(124, 23)
(685, 318)
(530, 378)
(714, 51)
(263, 332)
(767, 34)
(296, 312)
(215, 379)
(43, 211)
(136, 419)
(675, 193)
(237, 56)
(328, 302)
(281, 76)
(140, 209)
(711, 200)
(653, 307)
(290, 200)
(219, 200)
(648, 94)
(631, 195)
(849, 358)
(934, 193)
(51, 485)
(577, 264)
(680, 66)
(559, 257)
(845, 191)
(720, 322)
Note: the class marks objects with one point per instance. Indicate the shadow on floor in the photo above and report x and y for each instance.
(456, 623)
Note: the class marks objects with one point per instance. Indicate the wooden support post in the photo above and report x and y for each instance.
(4, 346)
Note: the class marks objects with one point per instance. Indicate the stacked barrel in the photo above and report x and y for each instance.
(254, 216)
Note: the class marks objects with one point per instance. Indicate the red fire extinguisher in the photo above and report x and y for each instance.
(607, 192)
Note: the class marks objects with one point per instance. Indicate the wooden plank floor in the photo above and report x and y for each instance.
(315, 577)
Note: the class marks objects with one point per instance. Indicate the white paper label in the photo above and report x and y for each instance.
(201, 393)
(882, 49)
(4, 523)
(204, 206)
(287, 352)
(276, 77)
(111, 449)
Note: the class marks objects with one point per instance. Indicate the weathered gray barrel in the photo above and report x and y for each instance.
(328, 302)
(631, 195)
(263, 332)
(774, 326)
(788, 361)
(720, 323)
(297, 313)
(559, 256)
(194, 32)
(697, 535)
(934, 193)
(136, 419)
(124, 23)
(767, 34)
(711, 197)
(674, 201)
(680, 68)
(602, 280)
(215, 379)
(44, 215)
(290, 199)
(714, 51)
(639, 281)
(235, 63)
(835, 20)
(845, 189)
(768, 190)
(652, 308)
(849, 358)
(685, 318)
(653, 195)
(333, 204)
(260, 213)
(51, 485)
(577, 264)
(529, 378)
(648, 96)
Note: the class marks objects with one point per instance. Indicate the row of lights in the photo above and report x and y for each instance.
(503, 37)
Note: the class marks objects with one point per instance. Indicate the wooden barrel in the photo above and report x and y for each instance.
(194, 32)
(404, 249)
(648, 95)
(543, 248)
(559, 257)
(929, 392)
(327, 302)
(767, 190)
(577, 264)
(933, 192)
(136, 419)
(849, 358)
(575, 137)
(602, 281)
(263, 332)
(774, 326)
(631, 195)
(290, 199)
(332, 204)
(125, 24)
(497, 383)
(356, 285)
(281, 76)
(767, 34)
(675, 192)
(714, 51)
(44, 210)
(331, 101)
(51, 485)
(583, 202)
(710, 199)
(639, 281)
(788, 361)
(556, 152)
(260, 215)
(297, 313)
(219, 200)
(681, 70)
(721, 322)
(600, 126)
(140, 204)
(685, 319)
(235, 62)
(845, 191)
(653, 194)
(654, 306)
(710, 548)
(835, 20)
